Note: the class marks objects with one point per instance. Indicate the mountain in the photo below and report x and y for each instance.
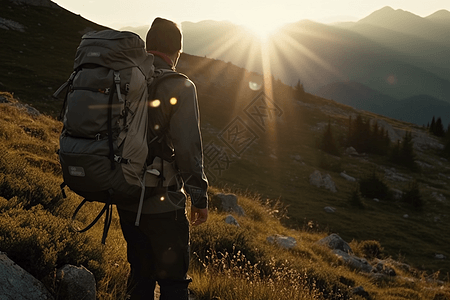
(411, 24)
(394, 52)
(418, 109)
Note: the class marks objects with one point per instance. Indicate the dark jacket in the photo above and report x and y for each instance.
(174, 116)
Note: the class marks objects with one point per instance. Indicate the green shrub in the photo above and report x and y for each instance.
(373, 186)
(355, 198)
(40, 242)
(413, 196)
(371, 249)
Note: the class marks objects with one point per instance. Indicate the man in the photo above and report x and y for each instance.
(158, 249)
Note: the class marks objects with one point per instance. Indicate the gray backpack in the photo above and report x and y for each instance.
(103, 145)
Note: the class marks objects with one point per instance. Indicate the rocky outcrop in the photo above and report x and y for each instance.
(18, 284)
(228, 203)
(75, 283)
(11, 25)
(286, 242)
(325, 181)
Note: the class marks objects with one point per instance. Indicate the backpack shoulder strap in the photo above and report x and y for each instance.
(160, 76)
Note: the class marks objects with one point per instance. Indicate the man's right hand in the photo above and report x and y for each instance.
(198, 215)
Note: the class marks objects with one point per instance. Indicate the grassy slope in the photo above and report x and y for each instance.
(36, 62)
(228, 262)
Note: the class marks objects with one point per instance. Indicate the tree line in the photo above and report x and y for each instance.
(368, 137)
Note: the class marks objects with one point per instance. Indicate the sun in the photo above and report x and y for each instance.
(263, 26)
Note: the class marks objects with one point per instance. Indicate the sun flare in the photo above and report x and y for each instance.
(263, 28)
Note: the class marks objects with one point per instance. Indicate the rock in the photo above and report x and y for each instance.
(397, 194)
(11, 25)
(329, 184)
(326, 181)
(406, 216)
(351, 151)
(438, 197)
(18, 284)
(335, 242)
(440, 256)
(347, 177)
(329, 209)
(3, 99)
(376, 199)
(360, 292)
(285, 242)
(392, 175)
(296, 157)
(228, 203)
(75, 283)
(354, 262)
(383, 268)
(231, 220)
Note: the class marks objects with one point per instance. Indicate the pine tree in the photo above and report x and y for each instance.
(439, 128)
(432, 125)
(299, 90)
(328, 143)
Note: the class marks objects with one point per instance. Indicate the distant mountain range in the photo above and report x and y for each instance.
(392, 54)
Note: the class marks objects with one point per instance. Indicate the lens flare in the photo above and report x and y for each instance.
(155, 103)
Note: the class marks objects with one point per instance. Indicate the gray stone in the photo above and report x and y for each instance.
(348, 177)
(228, 203)
(439, 256)
(351, 151)
(329, 209)
(285, 242)
(18, 284)
(11, 25)
(326, 181)
(335, 242)
(354, 262)
(232, 221)
(360, 291)
(76, 283)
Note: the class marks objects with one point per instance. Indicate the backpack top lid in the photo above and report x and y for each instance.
(112, 49)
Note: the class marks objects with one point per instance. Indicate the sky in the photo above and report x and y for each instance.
(251, 13)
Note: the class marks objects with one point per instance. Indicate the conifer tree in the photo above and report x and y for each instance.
(439, 128)
(328, 143)
(432, 125)
(299, 90)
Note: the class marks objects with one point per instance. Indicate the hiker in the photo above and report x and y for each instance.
(158, 249)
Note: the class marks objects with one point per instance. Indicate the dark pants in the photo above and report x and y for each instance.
(158, 251)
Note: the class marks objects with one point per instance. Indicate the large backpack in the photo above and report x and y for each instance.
(103, 144)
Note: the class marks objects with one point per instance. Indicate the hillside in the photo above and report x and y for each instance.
(39, 48)
(275, 154)
(230, 262)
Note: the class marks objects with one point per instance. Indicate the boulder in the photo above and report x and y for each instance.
(285, 242)
(329, 209)
(350, 151)
(228, 203)
(232, 221)
(348, 177)
(326, 181)
(335, 242)
(354, 262)
(75, 283)
(18, 284)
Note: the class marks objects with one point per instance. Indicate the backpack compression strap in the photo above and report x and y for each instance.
(108, 217)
